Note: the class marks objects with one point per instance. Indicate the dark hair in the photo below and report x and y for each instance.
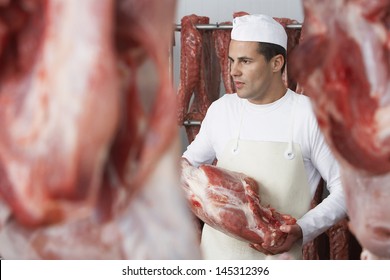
(269, 50)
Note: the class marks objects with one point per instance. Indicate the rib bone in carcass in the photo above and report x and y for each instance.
(343, 63)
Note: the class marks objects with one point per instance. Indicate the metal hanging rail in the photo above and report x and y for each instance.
(191, 122)
(213, 26)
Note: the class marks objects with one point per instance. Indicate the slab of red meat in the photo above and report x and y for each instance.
(228, 201)
(190, 62)
(88, 143)
(339, 240)
(343, 63)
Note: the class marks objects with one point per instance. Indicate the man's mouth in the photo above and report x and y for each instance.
(238, 85)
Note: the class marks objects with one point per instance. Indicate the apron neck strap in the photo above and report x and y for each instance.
(289, 153)
(235, 150)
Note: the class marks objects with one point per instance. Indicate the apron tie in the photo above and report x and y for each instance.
(235, 149)
(289, 153)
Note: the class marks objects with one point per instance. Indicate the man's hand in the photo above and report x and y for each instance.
(294, 233)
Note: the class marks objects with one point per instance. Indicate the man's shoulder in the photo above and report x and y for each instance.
(303, 102)
(304, 108)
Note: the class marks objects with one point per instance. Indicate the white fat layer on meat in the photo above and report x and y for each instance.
(15, 246)
(372, 41)
(71, 50)
(196, 181)
(79, 240)
(160, 228)
(367, 198)
(382, 119)
(252, 225)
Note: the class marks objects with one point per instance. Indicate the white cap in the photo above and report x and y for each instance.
(259, 28)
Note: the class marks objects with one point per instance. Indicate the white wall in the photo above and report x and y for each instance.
(222, 10)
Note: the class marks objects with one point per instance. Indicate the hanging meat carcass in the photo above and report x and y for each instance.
(344, 65)
(222, 39)
(293, 36)
(88, 142)
(200, 73)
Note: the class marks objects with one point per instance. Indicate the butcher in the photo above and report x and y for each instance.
(271, 134)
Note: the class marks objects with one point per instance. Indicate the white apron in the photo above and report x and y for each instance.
(278, 168)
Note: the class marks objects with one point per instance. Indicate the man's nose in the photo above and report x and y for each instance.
(234, 71)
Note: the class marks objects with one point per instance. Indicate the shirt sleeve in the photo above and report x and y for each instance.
(200, 151)
(333, 208)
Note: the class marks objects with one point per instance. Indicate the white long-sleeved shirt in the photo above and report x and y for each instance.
(270, 122)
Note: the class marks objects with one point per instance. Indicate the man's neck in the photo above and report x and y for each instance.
(274, 93)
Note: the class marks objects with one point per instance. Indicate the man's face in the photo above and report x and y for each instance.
(251, 73)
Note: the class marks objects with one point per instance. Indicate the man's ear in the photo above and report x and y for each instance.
(277, 62)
